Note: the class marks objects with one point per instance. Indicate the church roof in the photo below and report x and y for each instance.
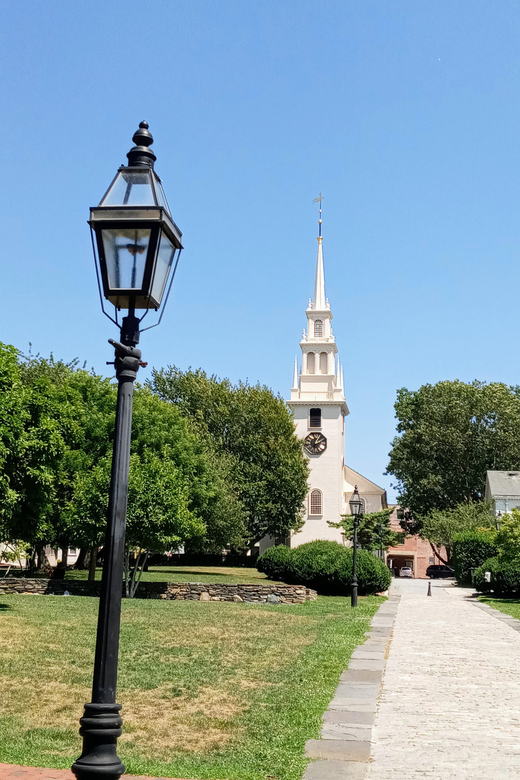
(365, 485)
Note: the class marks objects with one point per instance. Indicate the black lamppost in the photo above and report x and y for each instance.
(356, 506)
(498, 520)
(138, 244)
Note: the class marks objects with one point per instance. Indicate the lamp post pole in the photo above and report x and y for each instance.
(356, 506)
(354, 587)
(138, 248)
(101, 722)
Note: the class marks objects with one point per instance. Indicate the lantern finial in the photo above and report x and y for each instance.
(140, 154)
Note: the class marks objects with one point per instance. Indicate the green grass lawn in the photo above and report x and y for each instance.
(189, 574)
(217, 691)
(507, 606)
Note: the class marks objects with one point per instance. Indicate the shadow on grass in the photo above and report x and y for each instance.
(4, 606)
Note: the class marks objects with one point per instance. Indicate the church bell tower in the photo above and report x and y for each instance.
(319, 408)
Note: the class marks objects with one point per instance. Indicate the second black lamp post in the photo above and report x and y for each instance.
(356, 510)
(138, 247)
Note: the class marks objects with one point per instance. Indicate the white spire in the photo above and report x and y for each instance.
(319, 286)
(342, 380)
(295, 378)
(338, 375)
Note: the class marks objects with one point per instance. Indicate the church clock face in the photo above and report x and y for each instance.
(315, 443)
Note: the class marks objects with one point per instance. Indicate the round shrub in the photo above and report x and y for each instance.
(470, 550)
(275, 562)
(505, 577)
(326, 567)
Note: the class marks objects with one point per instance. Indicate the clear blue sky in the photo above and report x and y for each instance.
(405, 114)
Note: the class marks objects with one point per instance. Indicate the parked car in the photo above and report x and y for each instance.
(405, 571)
(439, 571)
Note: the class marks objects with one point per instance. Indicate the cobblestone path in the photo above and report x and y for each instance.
(450, 702)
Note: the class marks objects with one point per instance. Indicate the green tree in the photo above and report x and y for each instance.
(507, 539)
(41, 427)
(374, 532)
(440, 526)
(158, 517)
(55, 456)
(449, 435)
(252, 432)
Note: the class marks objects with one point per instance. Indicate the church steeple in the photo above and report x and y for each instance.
(320, 379)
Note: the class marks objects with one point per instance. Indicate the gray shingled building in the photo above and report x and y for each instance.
(503, 489)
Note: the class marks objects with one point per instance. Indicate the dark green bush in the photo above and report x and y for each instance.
(327, 567)
(275, 562)
(505, 577)
(470, 550)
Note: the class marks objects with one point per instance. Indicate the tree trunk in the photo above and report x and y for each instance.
(82, 562)
(43, 561)
(92, 563)
(439, 556)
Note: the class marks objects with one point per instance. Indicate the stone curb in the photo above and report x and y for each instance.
(343, 750)
(508, 619)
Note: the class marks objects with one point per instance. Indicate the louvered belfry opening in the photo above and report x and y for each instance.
(315, 418)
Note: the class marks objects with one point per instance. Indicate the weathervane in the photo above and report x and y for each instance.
(319, 200)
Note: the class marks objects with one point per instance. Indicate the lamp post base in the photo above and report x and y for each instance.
(353, 596)
(100, 728)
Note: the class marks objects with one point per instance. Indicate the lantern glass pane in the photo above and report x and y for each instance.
(161, 197)
(125, 254)
(130, 188)
(164, 262)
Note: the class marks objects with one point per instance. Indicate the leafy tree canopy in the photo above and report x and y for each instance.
(56, 438)
(440, 526)
(507, 539)
(374, 532)
(449, 435)
(252, 430)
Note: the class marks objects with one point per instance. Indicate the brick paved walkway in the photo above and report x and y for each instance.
(450, 701)
(14, 772)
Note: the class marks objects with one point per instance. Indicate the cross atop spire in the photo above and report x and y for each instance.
(319, 302)
(319, 200)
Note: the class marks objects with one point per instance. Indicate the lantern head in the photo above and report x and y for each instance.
(137, 240)
(355, 503)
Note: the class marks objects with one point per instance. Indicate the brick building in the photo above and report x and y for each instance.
(414, 552)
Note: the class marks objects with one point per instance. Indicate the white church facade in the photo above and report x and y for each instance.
(319, 408)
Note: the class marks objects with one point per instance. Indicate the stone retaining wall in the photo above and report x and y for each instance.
(184, 591)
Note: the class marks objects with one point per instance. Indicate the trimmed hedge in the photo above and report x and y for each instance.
(274, 562)
(505, 577)
(470, 550)
(326, 567)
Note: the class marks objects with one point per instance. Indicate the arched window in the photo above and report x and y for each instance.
(324, 359)
(318, 329)
(315, 418)
(316, 502)
(310, 363)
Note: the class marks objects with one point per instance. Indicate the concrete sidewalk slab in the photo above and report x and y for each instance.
(450, 701)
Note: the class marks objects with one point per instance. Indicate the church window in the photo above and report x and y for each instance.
(316, 502)
(324, 359)
(315, 418)
(318, 328)
(310, 363)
